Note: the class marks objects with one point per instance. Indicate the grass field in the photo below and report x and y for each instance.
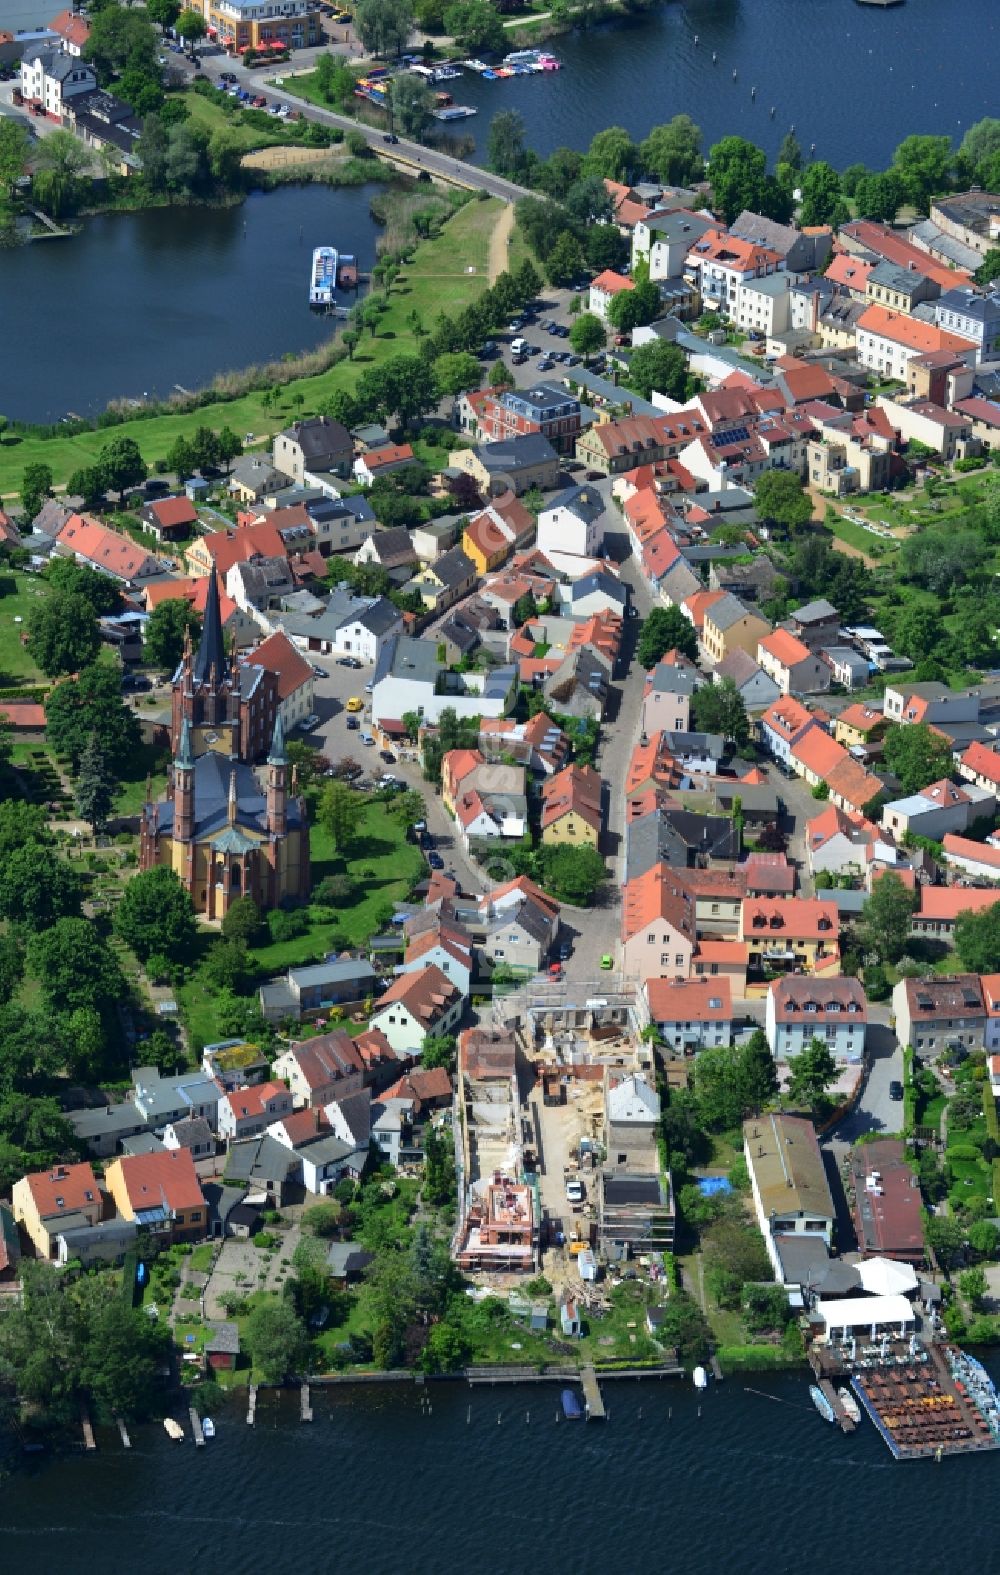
(445, 275)
(18, 593)
(204, 112)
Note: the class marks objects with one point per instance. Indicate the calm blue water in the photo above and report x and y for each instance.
(853, 79)
(138, 302)
(750, 1486)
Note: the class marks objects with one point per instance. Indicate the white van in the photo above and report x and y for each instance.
(517, 346)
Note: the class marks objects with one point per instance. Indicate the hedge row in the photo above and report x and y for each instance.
(909, 1094)
(990, 1112)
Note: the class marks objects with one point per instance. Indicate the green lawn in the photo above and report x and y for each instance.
(856, 536)
(204, 112)
(437, 280)
(150, 762)
(18, 593)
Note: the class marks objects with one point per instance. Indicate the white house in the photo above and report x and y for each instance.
(788, 1182)
(663, 240)
(409, 677)
(763, 306)
(573, 522)
(603, 290)
(50, 76)
(800, 1009)
(415, 1005)
(245, 1112)
(794, 668)
(887, 341)
(691, 1014)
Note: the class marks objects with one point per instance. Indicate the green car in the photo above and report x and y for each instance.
(607, 961)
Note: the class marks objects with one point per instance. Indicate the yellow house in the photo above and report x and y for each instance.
(859, 724)
(571, 807)
(446, 581)
(729, 626)
(485, 543)
(791, 934)
(50, 1201)
(163, 1190)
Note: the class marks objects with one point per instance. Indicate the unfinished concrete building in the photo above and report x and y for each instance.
(497, 1209)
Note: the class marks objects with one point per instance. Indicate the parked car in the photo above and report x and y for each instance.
(349, 661)
(435, 861)
(574, 1190)
(227, 76)
(309, 723)
(895, 1089)
(388, 756)
(352, 724)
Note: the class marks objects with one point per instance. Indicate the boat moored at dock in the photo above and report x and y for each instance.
(572, 1409)
(821, 1403)
(323, 278)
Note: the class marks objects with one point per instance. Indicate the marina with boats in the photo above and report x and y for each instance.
(375, 84)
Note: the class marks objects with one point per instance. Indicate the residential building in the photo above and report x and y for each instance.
(815, 755)
(991, 999)
(664, 238)
(321, 1070)
(973, 316)
(730, 626)
(194, 1134)
(797, 933)
(246, 1112)
(762, 307)
(603, 290)
(666, 705)
(636, 1213)
(417, 1005)
(161, 1100)
(248, 24)
(572, 523)
(793, 666)
(50, 1201)
(296, 681)
(940, 908)
(721, 263)
(232, 1063)
(900, 289)
(940, 807)
(161, 1192)
(947, 432)
(782, 727)
(515, 464)
(447, 946)
(52, 76)
(801, 251)
(860, 725)
(545, 408)
(887, 341)
(788, 1184)
(72, 30)
(980, 765)
(940, 1012)
(316, 444)
(322, 1156)
(887, 1207)
(799, 1010)
(389, 547)
(756, 689)
(850, 670)
(691, 1014)
(613, 447)
(981, 860)
(839, 843)
(970, 217)
(571, 809)
(929, 702)
(658, 926)
(376, 462)
(815, 623)
(408, 677)
(169, 519)
(340, 981)
(94, 545)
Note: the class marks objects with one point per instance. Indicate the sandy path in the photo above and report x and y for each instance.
(278, 158)
(500, 242)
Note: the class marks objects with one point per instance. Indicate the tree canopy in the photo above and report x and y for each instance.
(885, 922)
(977, 939)
(665, 629)
(155, 915)
(917, 755)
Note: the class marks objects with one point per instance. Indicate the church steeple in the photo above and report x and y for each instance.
(277, 755)
(211, 657)
(184, 785)
(277, 782)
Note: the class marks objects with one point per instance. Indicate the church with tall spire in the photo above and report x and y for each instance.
(226, 828)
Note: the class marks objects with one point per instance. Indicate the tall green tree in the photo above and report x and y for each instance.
(977, 939)
(719, 708)
(95, 785)
(61, 165)
(76, 968)
(92, 703)
(886, 918)
(737, 173)
(36, 485)
(62, 633)
(917, 755)
(810, 1074)
(923, 164)
(635, 308)
(276, 1340)
(383, 26)
(673, 151)
(822, 196)
(121, 464)
(14, 148)
(507, 145)
(37, 887)
(780, 498)
(587, 335)
(665, 629)
(100, 590)
(169, 623)
(612, 155)
(191, 26)
(412, 105)
(658, 367)
(155, 915)
(339, 813)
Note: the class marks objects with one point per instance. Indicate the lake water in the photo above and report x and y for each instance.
(853, 79)
(137, 303)
(749, 1487)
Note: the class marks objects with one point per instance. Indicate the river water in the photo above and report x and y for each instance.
(139, 302)
(749, 1486)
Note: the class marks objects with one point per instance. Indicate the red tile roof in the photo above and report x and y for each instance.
(785, 647)
(74, 29)
(978, 852)
(104, 548)
(890, 245)
(151, 1180)
(427, 995)
(612, 283)
(943, 904)
(980, 761)
(690, 1000)
(818, 752)
(805, 918)
(660, 894)
(279, 656)
(173, 511)
(65, 1189)
(912, 332)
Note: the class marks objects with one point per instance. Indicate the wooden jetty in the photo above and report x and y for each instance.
(252, 1405)
(126, 1441)
(89, 1442)
(716, 1366)
(196, 1428)
(593, 1399)
(305, 1409)
(846, 1423)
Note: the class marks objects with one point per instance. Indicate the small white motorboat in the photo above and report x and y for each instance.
(700, 1378)
(207, 1427)
(173, 1429)
(849, 1404)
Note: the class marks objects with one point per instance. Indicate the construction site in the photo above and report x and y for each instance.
(557, 1108)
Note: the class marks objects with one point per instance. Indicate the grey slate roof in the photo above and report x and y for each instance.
(259, 1160)
(677, 837)
(224, 1340)
(727, 612)
(517, 453)
(669, 680)
(454, 569)
(815, 612)
(584, 501)
(106, 1118)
